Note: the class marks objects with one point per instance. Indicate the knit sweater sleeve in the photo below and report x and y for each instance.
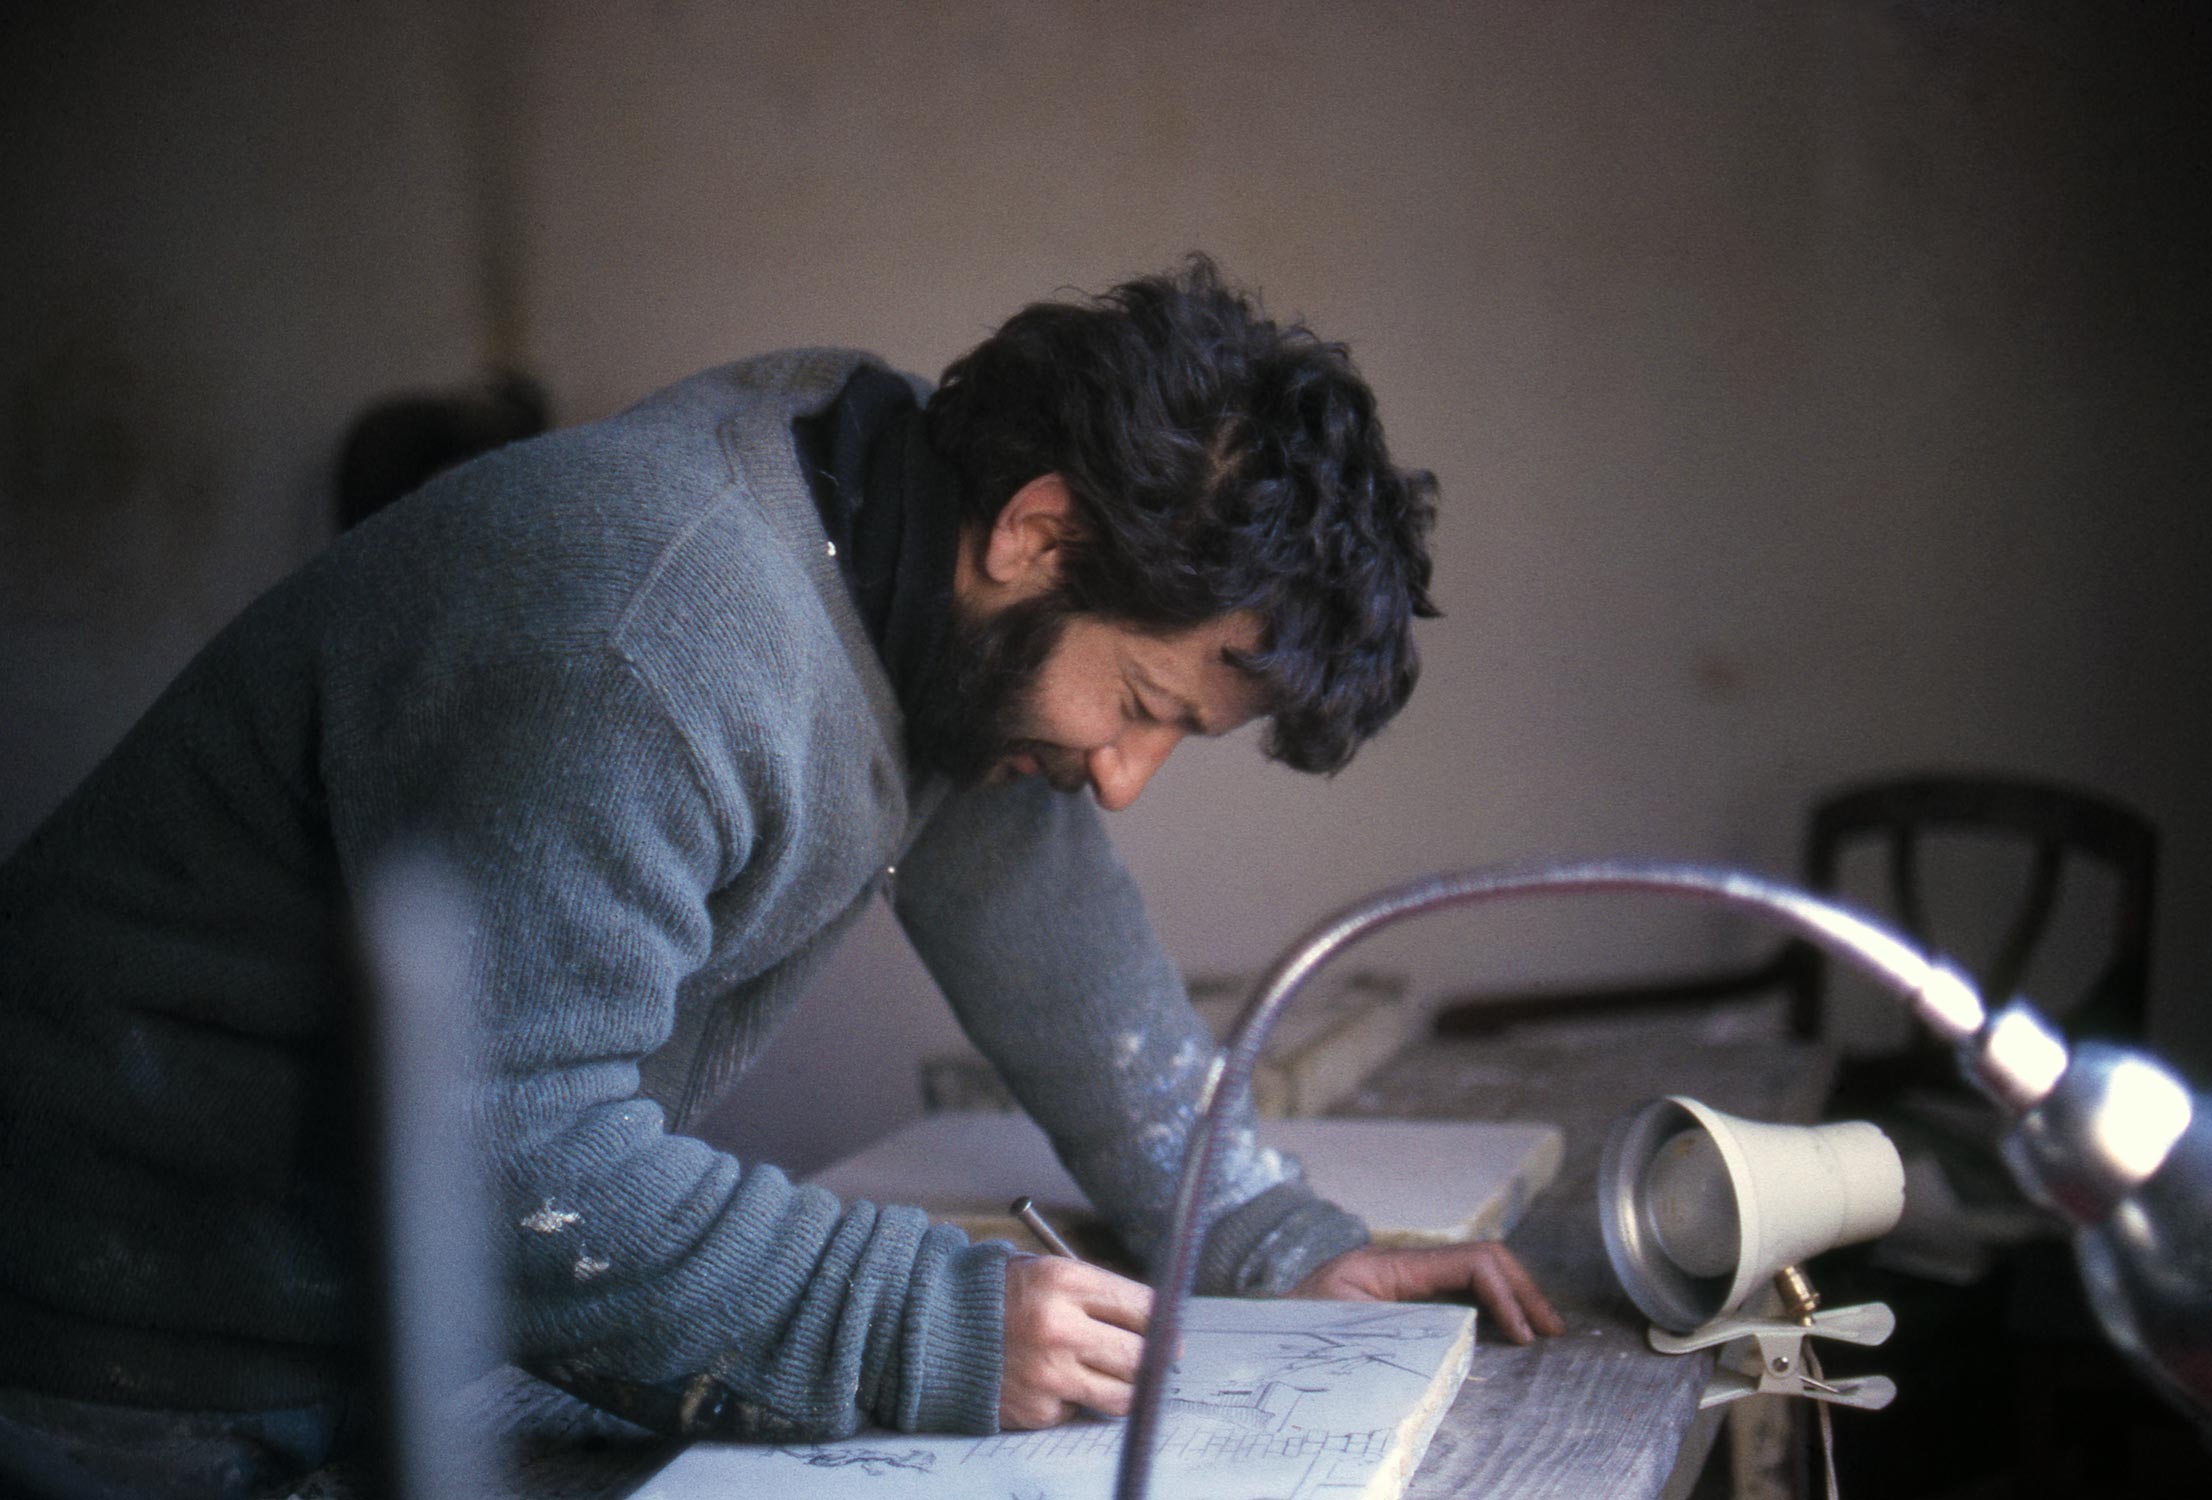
(647, 1269)
(1026, 918)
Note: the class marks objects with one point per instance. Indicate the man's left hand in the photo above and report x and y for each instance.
(1484, 1267)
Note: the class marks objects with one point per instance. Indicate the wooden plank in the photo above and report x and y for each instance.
(1593, 1413)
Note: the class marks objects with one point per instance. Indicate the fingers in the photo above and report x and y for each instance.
(1112, 1299)
(1495, 1291)
(1074, 1338)
(1527, 1298)
(1113, 1353)
(1106, 1392)
(1505, 1290)
(1493, 1273)
(1028, 1413)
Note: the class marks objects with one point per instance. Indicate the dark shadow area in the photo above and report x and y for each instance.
(402, 442)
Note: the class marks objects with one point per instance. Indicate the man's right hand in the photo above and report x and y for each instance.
(1074, 1335)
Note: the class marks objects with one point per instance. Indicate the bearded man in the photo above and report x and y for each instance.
(676, 694)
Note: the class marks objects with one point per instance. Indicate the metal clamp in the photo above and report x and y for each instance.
(1771, 1357)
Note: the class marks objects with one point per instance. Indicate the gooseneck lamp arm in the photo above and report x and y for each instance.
(2110, 1138)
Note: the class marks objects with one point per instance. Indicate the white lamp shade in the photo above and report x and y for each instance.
(1701, 1208)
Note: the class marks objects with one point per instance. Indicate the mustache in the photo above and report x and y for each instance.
(1066, 769)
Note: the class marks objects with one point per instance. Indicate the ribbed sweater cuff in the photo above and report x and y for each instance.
(954, 1343)
(1272, 1243)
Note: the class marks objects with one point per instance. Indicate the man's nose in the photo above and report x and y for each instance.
(1120, 770)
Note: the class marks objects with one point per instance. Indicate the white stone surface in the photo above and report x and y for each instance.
(1413, 1181)
(1272, 1401)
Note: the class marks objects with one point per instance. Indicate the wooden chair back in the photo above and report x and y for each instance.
(2057, 828)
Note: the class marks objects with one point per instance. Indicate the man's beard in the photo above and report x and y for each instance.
(969, 705)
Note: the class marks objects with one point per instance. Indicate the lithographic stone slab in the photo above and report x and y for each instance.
(1414, 1182)
(1273, 1400)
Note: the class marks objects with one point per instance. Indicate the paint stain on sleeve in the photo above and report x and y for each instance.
(550, 1219)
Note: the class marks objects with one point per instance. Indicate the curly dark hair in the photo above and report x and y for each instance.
(1219, 462)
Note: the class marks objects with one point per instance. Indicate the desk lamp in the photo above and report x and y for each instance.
(2110, 1138)
(1707, 1219)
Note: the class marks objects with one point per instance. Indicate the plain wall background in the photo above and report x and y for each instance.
(1817, 390)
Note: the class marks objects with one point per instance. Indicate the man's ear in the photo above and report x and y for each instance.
(1026, 544)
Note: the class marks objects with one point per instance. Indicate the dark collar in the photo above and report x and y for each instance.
(891, 507)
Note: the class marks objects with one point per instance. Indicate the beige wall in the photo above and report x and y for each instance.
(1814, 388)
(226, 228)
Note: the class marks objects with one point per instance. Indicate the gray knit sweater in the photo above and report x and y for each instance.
(614, 676)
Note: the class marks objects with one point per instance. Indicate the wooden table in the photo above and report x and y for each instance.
(1593, 1414)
